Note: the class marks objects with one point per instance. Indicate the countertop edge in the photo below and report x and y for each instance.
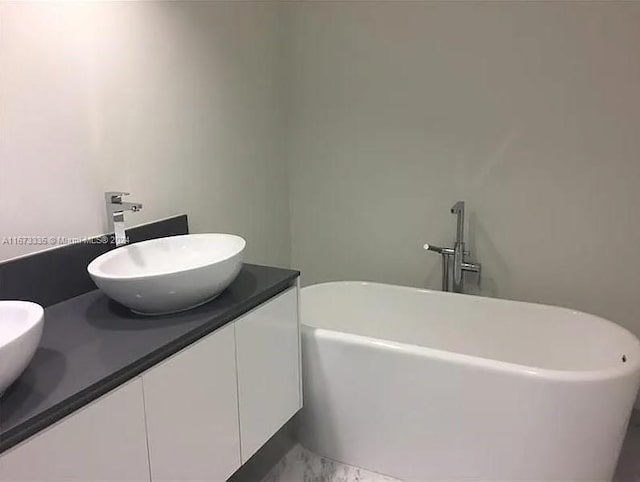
(47, 418)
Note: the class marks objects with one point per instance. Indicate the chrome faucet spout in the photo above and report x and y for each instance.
(115, 214)
(458, 210)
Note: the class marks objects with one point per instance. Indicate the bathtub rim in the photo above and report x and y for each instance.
(621, 371)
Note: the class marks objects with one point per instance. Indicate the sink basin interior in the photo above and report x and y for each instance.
(167, 255)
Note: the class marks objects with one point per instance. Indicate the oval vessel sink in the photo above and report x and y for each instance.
(20, 332)
(168, 275)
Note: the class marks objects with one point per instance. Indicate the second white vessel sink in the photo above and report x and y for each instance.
(170, 274)
(20, 332)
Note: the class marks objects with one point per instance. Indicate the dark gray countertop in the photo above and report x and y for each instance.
(91, 345)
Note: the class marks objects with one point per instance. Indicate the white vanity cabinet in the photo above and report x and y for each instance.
(104, 441)
(267, 346)
(191, 403)
(195, 416)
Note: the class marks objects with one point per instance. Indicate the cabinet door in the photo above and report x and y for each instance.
(192, 412)
(267, 344)
(104, 441)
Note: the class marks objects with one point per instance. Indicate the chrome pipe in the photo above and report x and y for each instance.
(445, 272)
(458, 247)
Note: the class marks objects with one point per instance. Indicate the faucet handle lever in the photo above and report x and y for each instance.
(431, 247)
(114, 197)
(439, 250)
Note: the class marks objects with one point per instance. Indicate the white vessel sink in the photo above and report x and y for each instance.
(170, 274)
(20, 332)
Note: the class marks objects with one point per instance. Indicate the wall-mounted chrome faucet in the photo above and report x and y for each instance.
(115, 214)
(457, 254)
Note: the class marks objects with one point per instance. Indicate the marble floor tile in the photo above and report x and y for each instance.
(302, 465)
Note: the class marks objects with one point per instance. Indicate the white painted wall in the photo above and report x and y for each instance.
(176, 102)
(529, 111)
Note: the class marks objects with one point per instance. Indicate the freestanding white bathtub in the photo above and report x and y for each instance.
(431, 386)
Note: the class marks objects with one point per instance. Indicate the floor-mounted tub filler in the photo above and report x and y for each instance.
(430, 386)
